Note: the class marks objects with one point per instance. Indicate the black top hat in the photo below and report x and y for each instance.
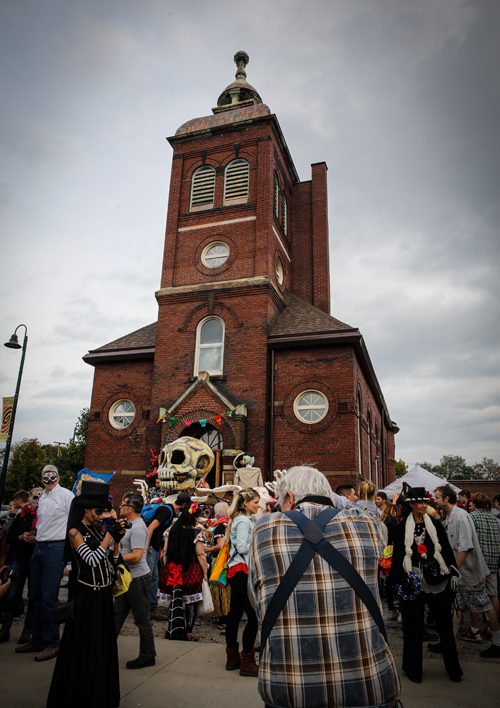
(94, 495)
(415, 493)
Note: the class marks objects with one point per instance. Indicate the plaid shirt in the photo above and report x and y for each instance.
(488, 533)
(325, 648)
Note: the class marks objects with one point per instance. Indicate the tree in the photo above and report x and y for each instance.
(401, 468)
(28, 458)
(455, 467)
(487, 469)
(427, 466)
(70, 459)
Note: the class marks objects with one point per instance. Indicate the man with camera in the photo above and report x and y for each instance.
(133, 551)
(47, 565)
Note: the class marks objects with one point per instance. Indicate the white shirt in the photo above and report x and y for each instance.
(52, 514)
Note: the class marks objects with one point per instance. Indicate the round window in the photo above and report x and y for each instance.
(310, 406)
(122, 414)
(215, 254)
(279, 271)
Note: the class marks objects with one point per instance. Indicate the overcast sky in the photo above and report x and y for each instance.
(400, 98)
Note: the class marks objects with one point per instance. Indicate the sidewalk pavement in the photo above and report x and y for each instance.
(190, 674)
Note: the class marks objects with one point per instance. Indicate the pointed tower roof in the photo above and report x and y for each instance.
(239, 102)
(240, 93)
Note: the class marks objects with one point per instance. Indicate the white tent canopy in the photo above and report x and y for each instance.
(417, 477)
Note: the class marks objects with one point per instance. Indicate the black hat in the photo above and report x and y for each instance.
(183, 498)
(94, 495)
(415, 493)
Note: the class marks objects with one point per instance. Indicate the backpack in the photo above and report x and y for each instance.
(149, 510)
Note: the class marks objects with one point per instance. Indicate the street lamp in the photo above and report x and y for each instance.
(13, 343)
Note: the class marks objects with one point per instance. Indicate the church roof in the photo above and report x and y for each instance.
(226, 118)
(143, 337)
(136, 345)
(300, 317)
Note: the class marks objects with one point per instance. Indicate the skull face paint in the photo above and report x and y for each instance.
(182, 464)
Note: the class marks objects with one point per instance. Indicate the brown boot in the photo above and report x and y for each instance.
(233, 658)
(248, 666)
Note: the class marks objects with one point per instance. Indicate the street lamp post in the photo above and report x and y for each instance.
(13, 343)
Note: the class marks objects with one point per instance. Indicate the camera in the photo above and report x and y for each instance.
(127, 524)
(8, 573)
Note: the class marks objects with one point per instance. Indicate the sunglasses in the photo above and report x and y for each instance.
(99, 512)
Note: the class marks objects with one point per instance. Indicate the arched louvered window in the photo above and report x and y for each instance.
(284, 212)
(236, 182)
(209, 354)
(203, 189)
(276, 190)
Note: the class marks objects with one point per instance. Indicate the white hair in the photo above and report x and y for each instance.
(303, 481)
(221, 509)
(50, 468)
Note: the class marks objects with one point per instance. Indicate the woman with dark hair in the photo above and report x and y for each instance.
(423, 568)
(185, 569)
(21, 538)
(87, 661)
(239, 533)
(388, 517)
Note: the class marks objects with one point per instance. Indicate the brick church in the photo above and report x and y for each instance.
(245, 353)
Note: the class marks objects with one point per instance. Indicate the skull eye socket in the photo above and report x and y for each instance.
(203, 461)
(178, 457)
(161, 458)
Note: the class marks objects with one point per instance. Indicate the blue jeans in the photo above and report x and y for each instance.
(46, 569)
(153, 590)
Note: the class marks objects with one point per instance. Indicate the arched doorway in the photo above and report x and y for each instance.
(212, 437)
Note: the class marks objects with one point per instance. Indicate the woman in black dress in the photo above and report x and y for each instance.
(87, 662)
(185, 569)
(419, 540)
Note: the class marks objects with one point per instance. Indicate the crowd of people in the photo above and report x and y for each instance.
(308, 572)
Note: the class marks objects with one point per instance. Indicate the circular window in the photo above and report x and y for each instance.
(215, 254)
(310, 406)
(122, 414)
(279, 271)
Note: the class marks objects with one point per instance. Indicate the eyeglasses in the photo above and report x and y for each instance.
(124, 504)
(99, 512)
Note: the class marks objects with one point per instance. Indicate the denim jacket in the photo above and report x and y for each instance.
(241, 535)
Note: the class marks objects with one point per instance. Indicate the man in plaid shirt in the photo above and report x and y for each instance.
(488, 533)
(325, 648)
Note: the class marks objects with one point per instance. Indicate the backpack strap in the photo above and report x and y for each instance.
(315, 542)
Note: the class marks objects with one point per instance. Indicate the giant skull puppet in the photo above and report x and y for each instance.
(183, 464)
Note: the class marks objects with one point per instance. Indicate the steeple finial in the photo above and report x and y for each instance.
(241, 59)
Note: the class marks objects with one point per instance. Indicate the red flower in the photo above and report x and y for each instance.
(422, 548)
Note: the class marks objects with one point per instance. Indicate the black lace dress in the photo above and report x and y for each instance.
(87, 663)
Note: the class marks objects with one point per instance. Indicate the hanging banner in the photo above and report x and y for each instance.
(203, 422)
(187, 423)
(6, 416)
(173, 421)
(88, 476)
(218, 419)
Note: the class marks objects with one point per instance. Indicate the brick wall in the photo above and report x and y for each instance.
(190, 292)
